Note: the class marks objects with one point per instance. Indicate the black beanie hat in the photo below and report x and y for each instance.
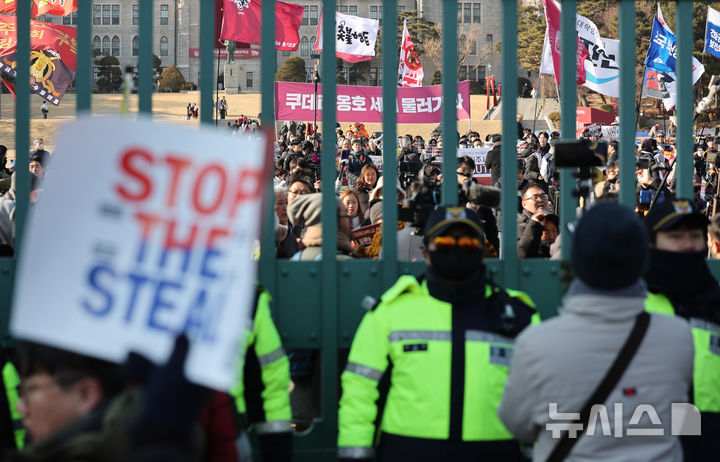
(610, 247)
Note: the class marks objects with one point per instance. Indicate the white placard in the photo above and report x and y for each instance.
(144, 231)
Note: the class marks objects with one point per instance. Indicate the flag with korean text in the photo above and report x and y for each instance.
(52, 60)
(354, 37)
(552, 17)
(712, 33)
(660, 80)
(410, 71)
(54, 7)
(242, 21)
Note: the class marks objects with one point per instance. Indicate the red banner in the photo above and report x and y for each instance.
(552, 16)
(55, 7)
(296, 101)
(242, 23)
(221, 53)
(43, 36)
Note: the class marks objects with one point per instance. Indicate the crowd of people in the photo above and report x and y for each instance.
(474, 373)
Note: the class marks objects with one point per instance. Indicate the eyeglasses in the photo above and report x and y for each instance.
(537, 197)
(464, 243)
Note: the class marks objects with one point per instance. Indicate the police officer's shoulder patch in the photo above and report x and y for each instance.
(403, 285)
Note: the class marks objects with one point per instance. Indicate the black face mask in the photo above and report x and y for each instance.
(456, 264)
(685, 278)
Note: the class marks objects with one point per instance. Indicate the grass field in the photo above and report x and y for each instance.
(171, 107)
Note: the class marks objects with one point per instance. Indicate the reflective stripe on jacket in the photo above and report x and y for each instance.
(413, 330)
(706, 339)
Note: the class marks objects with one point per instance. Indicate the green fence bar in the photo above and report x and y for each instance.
(145, 58)
(390, 174)
(207, 68)
(568, 103)
(449, 105)
(329, 292)
(267, 89)
(22, 120)
(627, 103)
(508, 165)
(684, 167)
(83, 75)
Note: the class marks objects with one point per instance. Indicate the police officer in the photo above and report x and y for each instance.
(262, 396)
(679, 283)
(449, 338)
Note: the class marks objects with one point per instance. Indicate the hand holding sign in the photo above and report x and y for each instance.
(158, 243)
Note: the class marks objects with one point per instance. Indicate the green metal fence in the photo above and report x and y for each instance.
(317, 304)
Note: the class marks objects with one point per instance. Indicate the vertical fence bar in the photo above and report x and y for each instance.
(627, 103)
(389, 63)
(145, 60)
(207, 71)
(83, 76)
(267, 89)
(683, 26)
(22, 121)
(508, 149)
(329, 225)
(449, 110)
(568, 88)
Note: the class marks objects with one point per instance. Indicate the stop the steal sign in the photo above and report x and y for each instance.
(144, 231)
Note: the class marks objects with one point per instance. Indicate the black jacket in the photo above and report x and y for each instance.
(492, 163)
(528, 234)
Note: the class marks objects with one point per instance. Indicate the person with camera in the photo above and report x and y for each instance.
(358, 158)
(449, 338)
(481, 203)
(680, 283)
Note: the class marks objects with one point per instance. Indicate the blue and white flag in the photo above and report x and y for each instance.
(712, 33)
(660, 61)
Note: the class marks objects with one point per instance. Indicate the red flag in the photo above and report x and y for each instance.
(410, 70)
(492, 86)
(53, 56)
(552, 16)
(487, 91)
(58, 8)
(242, 23)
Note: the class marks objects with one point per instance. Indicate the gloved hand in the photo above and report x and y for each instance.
(172, 403)
(276, 447)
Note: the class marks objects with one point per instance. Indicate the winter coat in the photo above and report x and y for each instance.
(564, 359)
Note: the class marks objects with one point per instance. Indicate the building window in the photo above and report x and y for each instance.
(480, 73)
(97, 44)
(96, 74)
(305, 16)
(70, 19)
(135, 46)
(467, 14)
(285, 53)
(116, 15)
(380, 73)
(136, 14)
(352, 10)
(374, 76)
(164, 15)
(106, 46)
(476, 13)
(304, 48)
(249, 79)
(374, 12)
(462, 73)
(313, 15)
(489, 39)
(106, 15)
(116, 46)
(460, 12)
(473, 47)
(97, 14)
(462, 42)
(163, 46)
(342, 8)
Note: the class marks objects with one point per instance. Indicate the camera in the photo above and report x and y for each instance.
(581, 153)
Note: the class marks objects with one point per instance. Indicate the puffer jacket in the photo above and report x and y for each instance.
(564, 359)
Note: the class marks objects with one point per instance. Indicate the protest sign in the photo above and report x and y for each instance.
(478, 155)
(363, 236)
(296, 101)
(158, 241)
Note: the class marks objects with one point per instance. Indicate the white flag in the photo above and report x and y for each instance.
(410, 71)
(354, 37)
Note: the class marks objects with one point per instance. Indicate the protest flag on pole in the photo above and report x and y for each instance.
(410, 70)
(241, 23)
(712, 33)
(354, 39)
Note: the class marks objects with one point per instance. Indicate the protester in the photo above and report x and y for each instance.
(603, 305)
